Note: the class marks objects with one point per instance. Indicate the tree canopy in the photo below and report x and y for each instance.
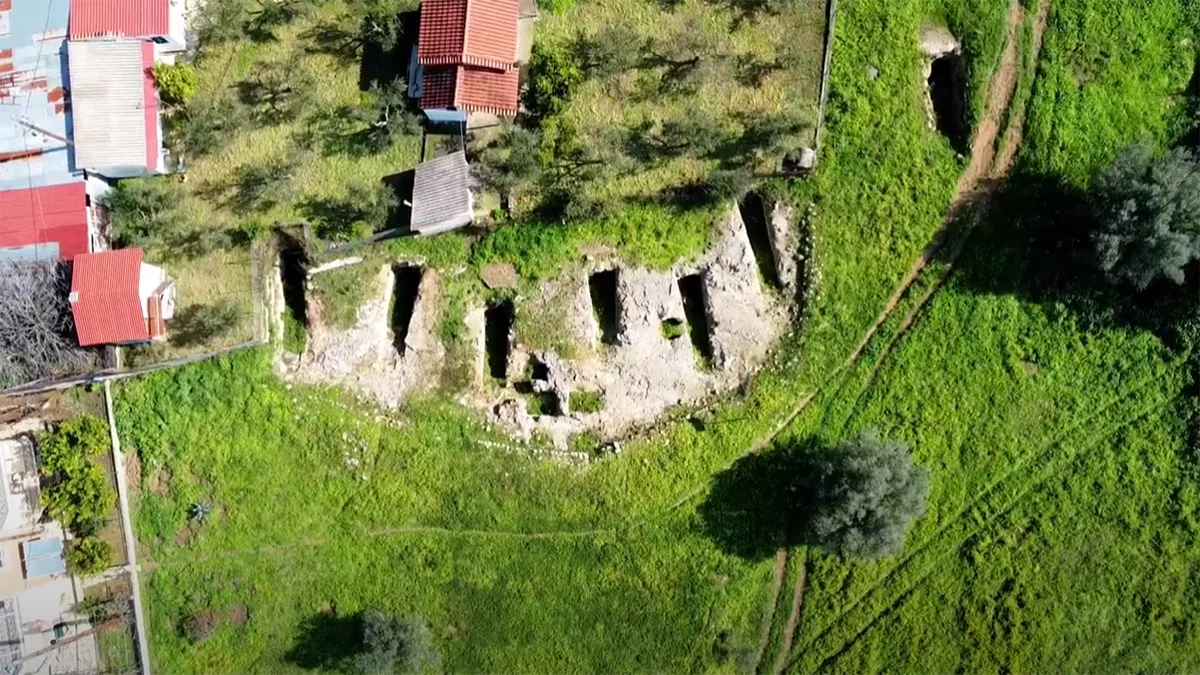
(1148, 212)
(869, 492)
(396, 644)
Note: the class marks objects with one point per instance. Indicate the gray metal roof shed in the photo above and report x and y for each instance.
(442, 197)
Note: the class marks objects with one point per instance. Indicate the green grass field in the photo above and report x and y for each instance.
(1062, 524)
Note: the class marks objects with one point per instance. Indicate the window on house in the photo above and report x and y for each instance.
(158, 39)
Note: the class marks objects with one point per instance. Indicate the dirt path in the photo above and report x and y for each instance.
(978, 200)
(1016, 132)
(789, 632)
(764, 630)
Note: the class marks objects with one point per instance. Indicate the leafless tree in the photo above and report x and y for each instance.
(37, 334)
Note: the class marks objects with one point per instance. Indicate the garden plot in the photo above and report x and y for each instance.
(636, 324)
(391, 350)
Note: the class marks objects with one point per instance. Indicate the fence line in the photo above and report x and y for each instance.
(139, 618)
(110, 374)
(827, 62)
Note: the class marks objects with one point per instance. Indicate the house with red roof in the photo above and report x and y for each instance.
(466, 59)
(55, 222)
(160, 22)
(118, 298)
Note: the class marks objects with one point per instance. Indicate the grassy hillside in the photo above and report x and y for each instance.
(1062, 518)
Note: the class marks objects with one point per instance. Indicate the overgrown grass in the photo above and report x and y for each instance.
(1060, 504)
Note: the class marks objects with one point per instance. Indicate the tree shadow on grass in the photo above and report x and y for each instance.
(327, 642)
(1032, 239)
(763, 501)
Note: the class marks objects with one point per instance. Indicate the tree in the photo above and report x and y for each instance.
(145, 211)
(698, 133)
(610, 52)
(176, 82)
(88, 556)
(261, 186)
(37, 333)
(76, 492)
(396, 644)
(278, 90)
(512, 162)
(553, 76)
(379, 20)
(868, 493)
(688, 56)
(387, 115)
(208, 122)
(1148, 213)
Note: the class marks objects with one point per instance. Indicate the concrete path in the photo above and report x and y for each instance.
(139, 619)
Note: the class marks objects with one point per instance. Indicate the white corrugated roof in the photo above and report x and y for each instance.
(108, 103)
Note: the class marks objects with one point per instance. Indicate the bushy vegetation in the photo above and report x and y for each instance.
(396, 644)
(75, 490)
(89, 556)
(1148, 212)
(867, 494)
(176, 82)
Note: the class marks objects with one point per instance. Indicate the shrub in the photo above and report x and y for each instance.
(396, 644)
(868, 494)
(587, 401)
(77, 492)
(88, 556)
(145, 211)
(177, 82)
(553, 76)
(1148, 208)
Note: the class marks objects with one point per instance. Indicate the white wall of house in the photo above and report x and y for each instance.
(97, 220)
(150, 279)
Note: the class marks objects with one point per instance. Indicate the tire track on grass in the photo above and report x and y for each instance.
(789, 631)
(1005, 509)
(764, 629)
(1014, 135)
(1018, 467)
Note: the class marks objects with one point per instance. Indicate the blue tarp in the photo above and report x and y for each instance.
(44, 557)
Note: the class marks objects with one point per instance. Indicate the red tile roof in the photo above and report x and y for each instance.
(470, 89)
(119, 18)
(468, 32)
(46, 215)
(105, 299)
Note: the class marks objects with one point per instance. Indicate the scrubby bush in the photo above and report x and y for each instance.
(88, 556)
(177, 82)
(396, 644)
(145, 211)
(553, 76)
(1148, 212)
(76, 492)
(868, 493)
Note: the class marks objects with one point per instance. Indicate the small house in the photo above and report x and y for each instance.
(466, 59)
(441, 197)
(55, 222)
(117, 298)
(160, 22)
(114, 108)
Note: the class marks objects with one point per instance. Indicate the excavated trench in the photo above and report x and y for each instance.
(408, 283)
(691, 289)
(293, 264)
(602, 286)
(497, 336)
(754, 215)
(947, 92)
